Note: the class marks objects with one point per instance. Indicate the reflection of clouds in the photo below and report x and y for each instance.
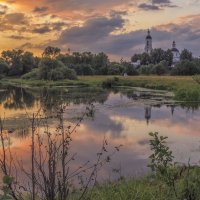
(122, 121)
(143, 142)
(103, 123)
(131, 157)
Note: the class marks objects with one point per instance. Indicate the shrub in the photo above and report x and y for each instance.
(115, 69)
(182, 181)
(69, 73)
(56, 74)
(146, 69)
(52, 69)
(159, 69)
(186, 67)
(109, 83)
(130, 69)
(34, 74)
(3, 67)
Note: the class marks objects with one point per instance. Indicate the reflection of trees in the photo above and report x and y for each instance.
(190, 105)
(16, 98)
(52, 98)
(87, 95)
(22, 132)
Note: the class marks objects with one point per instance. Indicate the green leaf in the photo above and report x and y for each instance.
(8, 180)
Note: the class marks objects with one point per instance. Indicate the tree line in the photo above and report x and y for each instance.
(55, 65)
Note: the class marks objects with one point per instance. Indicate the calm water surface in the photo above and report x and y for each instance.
(125, 116)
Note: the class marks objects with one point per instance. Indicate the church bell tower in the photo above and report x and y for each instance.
(148, 46)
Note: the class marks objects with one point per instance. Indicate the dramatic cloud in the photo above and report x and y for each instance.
(156, 5)
(40, 9)
(92, 30)
(161, 1)
(15, 18)
(3, 9)
(97, 35)
(86, 5)
(18, 37)
(42, 30)
(145, 6)
(27, 45)
(117, 27)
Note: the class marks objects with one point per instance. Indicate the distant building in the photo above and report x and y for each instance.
(148, 49)
(148, 45)
(176, 54)
(136, 64)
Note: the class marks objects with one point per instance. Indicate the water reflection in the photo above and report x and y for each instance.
(125, 116)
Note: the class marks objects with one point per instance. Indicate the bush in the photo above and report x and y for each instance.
(109, 83)
(34, 74)
(130, 69)
(146, 69)
(115, 69)
(183, 181)
(3, 67)
(186, 67)
(56, 74)
(62, 73)
(52, 69)
(159, 69)
(69, 73)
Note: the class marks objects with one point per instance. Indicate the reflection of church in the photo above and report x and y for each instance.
(148, 113)
(148, 110)
(172, 109)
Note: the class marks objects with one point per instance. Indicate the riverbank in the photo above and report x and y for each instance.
(185, 88)
(141, 189)
(152, 82)
(185, 186)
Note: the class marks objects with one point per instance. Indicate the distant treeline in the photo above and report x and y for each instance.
(54, 65)
(160, 62)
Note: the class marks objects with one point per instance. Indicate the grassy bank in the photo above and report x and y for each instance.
(149, 188)
(186, 88)
(141, 189)
(153, 82)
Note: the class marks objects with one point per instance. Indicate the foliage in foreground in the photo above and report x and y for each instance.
(168, 180)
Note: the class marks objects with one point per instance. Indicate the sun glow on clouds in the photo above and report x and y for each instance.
(35, 24)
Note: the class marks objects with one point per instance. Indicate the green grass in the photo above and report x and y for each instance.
(153, 82)
(135, 189)
(151, 188)
(186, 88)
(144, 188)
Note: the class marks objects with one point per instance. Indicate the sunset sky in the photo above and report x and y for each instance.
(116, 27)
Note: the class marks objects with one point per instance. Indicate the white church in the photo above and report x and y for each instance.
(149, 48)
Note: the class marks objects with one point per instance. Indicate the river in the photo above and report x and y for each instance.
(124, 116)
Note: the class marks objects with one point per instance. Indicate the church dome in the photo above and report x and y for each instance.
(174, 49)
(148, 37)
